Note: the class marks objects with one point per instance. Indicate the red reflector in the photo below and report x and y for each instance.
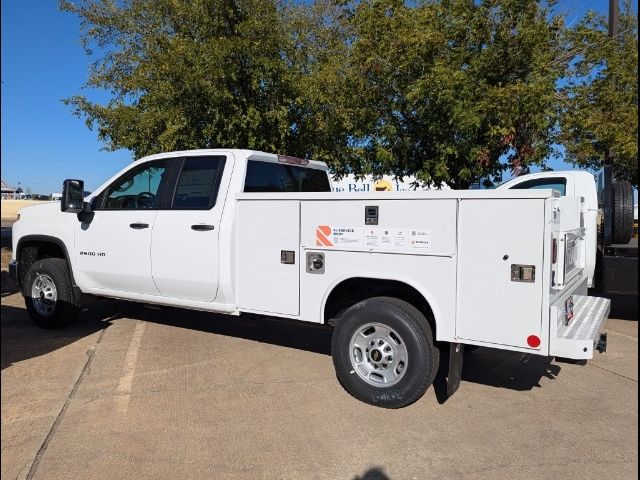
(533, 341)
(554, 255)
(292, 160)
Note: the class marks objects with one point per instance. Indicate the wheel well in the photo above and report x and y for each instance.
(31, 251)
(351, 291)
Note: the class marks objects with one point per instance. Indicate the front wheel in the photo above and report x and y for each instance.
(383, 352)
(48, 295)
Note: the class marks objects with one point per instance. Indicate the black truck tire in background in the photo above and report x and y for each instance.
(622, 212)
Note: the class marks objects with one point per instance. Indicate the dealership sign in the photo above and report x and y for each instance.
(385, 184)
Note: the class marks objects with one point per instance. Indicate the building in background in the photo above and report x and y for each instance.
(7, 190)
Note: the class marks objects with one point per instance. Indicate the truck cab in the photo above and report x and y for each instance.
(152, 216)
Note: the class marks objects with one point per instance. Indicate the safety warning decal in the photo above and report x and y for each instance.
(420, 238)
(397, 238)
(373, 237)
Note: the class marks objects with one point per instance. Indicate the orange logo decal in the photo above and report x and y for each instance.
(322, 236)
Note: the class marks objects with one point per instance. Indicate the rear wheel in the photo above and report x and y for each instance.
(383, 352)
(48, 295)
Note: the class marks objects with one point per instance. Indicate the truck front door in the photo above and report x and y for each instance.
(112, 250)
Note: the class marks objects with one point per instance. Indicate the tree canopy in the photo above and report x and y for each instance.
(600, 100)
(183, 75)
(447, 90)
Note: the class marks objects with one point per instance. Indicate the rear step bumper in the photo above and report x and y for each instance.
(583, 334)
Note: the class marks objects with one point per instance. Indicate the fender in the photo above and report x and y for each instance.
(431, 302)
(77, 293)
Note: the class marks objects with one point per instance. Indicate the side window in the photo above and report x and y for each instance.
(265, 177)
(559, 184)
(198, 184)
(275, 177)
(138, 189)
(311, 180)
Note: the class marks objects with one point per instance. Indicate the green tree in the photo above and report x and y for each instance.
(182, 75)
(600, 100)
(320, 43)
(450, 90)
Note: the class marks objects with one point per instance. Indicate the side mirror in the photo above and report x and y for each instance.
(72, 200)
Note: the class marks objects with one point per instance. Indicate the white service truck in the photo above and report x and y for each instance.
(399, 275)
(574, 183)
(610, 256)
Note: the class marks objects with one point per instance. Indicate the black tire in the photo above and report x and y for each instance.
(423, 357)
(622, 212)
(64, 309)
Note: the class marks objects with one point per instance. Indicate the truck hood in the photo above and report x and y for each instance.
(45, 209)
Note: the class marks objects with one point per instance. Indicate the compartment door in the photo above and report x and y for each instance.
(495, 235)
(268, 256)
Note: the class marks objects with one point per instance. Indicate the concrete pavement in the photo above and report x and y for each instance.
(130, 392)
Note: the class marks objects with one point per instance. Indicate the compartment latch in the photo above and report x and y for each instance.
(523, 273)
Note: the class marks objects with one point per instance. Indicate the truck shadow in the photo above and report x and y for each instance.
(21, 339)
(272, 330)
(6, 284)
(498, 368)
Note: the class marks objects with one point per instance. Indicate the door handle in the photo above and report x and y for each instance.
(201, 227)
(139, 226)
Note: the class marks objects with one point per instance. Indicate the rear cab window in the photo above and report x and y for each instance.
(277, 177)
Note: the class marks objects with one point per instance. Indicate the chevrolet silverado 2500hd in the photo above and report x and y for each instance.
(398, 274)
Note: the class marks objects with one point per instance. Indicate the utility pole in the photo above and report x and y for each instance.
(608, 159)
(613, 33)
(613, 18)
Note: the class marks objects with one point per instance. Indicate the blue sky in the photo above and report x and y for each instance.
(42, 63)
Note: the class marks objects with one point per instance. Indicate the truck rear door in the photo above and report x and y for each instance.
(500, 274)
(184, 243)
